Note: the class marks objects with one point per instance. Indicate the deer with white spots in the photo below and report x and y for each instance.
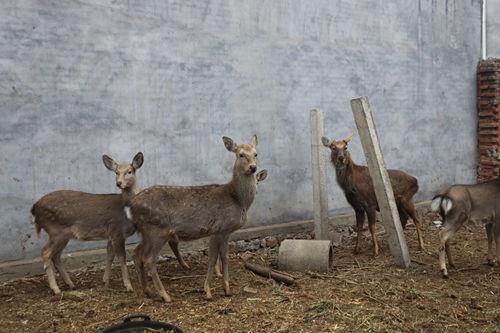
(66, 215)
(165, 213)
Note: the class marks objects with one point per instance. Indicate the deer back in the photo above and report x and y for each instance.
(481, 202)
(84, 216)
(188, 212)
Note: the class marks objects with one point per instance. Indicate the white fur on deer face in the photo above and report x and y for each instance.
(246, 155)
(125, 173)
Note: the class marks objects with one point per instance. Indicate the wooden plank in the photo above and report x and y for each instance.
(320, 196)
(381, 182)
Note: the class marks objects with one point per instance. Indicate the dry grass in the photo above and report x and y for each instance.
(362, 294)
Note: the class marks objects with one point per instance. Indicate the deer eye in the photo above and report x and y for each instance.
(129, 172)
(255, 154)
(241, 155)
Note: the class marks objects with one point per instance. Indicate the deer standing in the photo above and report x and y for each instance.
(66, 215)
(164, 213)
(461, 204)
(356, 183)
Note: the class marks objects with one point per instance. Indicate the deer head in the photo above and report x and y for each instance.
(340, 154)
(246, 155)
(125, 173)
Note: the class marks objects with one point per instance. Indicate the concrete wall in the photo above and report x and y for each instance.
(169, 78)
(493, 28)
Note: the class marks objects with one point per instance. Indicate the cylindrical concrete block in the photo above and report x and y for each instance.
(306, 255)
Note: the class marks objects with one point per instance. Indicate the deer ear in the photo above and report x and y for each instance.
(254, 141)
(109, 163)
(261, 175)
(348, 138)
(138, 160)
(229, 143)
(326, 142)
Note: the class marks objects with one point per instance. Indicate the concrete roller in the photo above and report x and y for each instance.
(306, 255)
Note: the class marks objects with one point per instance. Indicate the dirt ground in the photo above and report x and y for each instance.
(363, 294)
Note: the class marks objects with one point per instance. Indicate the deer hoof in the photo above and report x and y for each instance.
(444, 274)
(208, 293)
(185, 266)
(129, 289)
(149, 293)
(491, 262)
(166, 298)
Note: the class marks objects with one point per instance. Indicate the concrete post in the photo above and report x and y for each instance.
(320, 198)
(381, 182)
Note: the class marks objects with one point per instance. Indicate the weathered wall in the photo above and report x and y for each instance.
(493, 28)
(169, 78)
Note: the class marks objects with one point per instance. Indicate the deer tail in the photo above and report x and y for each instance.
(38, 227)
(441, 204)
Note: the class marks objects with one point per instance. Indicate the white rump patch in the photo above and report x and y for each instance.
(435, 204)
(447, 205)
(128, 213)
(437, 223)
(33, 218)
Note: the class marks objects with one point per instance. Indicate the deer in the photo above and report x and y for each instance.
(356, 183)
(260, 176)
(185, 213)
(66, 215)
(474, 204)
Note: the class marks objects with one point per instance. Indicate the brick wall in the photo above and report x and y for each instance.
(488, 107)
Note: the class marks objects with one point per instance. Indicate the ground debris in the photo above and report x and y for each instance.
(362, 294)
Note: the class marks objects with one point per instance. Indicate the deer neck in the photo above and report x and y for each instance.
(243, 188)
(343, 173)
(129, 193)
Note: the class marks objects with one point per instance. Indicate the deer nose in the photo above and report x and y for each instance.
(341, 158)
(253, 168)
(119, 183)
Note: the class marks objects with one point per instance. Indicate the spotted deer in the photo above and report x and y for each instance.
(164, 213)
(356, 183)
(66, 215)
(260, 176)
(462, 204)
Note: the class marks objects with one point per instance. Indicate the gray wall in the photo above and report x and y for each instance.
(493, 28)
(169, 78)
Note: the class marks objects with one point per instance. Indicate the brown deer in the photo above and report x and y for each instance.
(164, 213)
(461, 204)
(356, 183)
(66, 215)
(260, 176)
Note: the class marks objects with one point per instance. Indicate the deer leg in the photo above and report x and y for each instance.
(360, 220)
(447, 247)
(174, 245)
(56, 259)
(489, 234)
(218, 268)
(139, 267)
(224, 259)
(149, 259)
(496, 233)
(48, 266)
(444, 238)
(410, 210)
(119, 249)
(213, 250)
(372, 219)
(110, 256)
